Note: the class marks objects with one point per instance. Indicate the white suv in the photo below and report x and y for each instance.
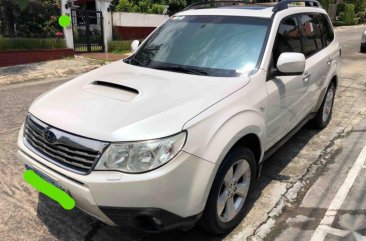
(177, 133)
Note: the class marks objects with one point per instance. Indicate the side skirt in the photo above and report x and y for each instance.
(281, 142)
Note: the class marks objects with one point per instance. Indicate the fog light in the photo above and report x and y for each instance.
(157, 221)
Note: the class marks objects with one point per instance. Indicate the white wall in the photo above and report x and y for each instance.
(102, 5)
(138, 19)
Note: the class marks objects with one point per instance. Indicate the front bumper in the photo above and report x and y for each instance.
(175, 193)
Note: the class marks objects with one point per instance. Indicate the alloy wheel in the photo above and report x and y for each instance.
(234, 190)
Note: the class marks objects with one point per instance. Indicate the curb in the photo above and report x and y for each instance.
(43, 74)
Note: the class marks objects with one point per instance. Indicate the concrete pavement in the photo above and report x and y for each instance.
(333, 207)
(46, 70)
(287, 176)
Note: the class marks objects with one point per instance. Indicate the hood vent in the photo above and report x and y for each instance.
(111, 90)
(116, 86)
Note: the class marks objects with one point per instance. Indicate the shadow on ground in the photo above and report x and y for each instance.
(75, 225)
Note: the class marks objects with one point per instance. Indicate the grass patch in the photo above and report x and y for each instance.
(121, 52)
(31, 43)
(119, 46)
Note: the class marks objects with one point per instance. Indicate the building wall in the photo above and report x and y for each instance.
(138, 19)
(131, 33)
(129, 26)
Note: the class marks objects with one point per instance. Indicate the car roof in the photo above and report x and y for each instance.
(254, 11)
(259, 11)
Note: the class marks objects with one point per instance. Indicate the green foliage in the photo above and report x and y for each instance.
(339, 23)
(341, 15)
(340, 8)
(361, 14)
(349, 13)
(360, 5)
(355, 21)
(142, 6)
(325, 4)
(177, 5)
(31, 43)
(126, 6)
(157, 9)
(119, 46)
(24, 18)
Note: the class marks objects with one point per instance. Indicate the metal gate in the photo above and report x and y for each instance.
(87, 29)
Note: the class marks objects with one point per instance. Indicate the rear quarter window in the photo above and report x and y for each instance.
(311, 34)
(326, 28)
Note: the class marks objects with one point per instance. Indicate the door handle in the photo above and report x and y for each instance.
(306, 77)
(329, 61)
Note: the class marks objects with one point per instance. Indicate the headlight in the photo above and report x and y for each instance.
(137, 157)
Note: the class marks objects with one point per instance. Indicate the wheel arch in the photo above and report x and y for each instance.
(252, 142)
(334, 80)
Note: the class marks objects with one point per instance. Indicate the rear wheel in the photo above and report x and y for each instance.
(225, 205)
(324, 113)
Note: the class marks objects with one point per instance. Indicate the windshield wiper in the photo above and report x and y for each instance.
(133, 59)
(187, 70)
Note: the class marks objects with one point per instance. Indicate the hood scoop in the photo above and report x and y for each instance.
(112, 90)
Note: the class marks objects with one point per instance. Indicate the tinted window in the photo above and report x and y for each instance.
(312, 38)
(287, 39)
(326, 28)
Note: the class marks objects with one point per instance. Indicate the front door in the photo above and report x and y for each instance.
(286, 94)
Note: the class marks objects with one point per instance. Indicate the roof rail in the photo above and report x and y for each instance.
(213, 4)
(282, 5)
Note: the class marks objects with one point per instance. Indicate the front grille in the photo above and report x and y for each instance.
(72, 152)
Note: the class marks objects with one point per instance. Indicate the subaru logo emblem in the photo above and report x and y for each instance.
(49, 136)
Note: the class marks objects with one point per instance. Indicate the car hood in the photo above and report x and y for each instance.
(122, 102)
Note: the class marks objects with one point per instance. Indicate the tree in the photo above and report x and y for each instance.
(7, 17)
(24, 18)
(360, 5)
(349, 13)
(325, 4)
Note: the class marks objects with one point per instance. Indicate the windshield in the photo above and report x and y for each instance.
(204, 45)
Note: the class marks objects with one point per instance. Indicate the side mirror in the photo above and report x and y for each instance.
(291, 63)
(134, 45)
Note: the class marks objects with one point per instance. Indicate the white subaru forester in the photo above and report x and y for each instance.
(177, 133)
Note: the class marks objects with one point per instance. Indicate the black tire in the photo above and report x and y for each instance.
(319, 122)
(363, 49)
(210, 220)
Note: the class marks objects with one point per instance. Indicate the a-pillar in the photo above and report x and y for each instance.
(68, 30)
(103, 6)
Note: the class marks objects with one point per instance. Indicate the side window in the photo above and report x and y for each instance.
(311, 34)
(326, 28)
(288, 38)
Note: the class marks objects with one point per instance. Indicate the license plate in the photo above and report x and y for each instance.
(46, 178)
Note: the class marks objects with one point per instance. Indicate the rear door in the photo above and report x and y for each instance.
(332, 47)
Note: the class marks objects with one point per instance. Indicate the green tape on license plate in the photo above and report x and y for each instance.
(46, 186)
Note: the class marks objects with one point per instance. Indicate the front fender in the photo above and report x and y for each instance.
(213, 138)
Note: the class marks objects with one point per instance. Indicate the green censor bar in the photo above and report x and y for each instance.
(49, 190)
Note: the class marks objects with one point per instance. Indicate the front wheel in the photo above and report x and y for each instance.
(225, 205)
(324, 114)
